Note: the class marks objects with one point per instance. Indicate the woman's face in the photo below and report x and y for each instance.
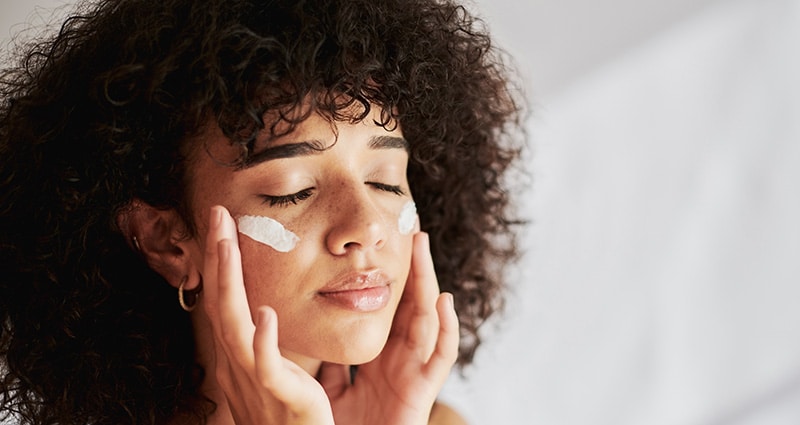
(336, 291)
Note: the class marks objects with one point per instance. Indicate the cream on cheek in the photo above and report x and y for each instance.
(407, 218)
(273, 234)
(267, 231)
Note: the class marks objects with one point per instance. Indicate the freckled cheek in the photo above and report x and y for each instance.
(271, 277)
(399, 224)
(256, 255)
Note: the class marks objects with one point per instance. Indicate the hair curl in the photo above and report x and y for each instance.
(100, 114)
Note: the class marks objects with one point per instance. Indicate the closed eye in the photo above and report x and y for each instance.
(285, 200)
(397, 190)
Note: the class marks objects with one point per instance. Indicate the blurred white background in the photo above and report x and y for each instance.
(662, 269)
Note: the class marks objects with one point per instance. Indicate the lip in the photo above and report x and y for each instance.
(358, 291)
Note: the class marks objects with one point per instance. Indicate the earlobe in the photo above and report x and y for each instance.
(159, 236)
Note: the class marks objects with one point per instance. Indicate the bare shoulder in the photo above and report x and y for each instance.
(442, 414)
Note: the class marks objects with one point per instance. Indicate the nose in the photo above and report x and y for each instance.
(356, 222)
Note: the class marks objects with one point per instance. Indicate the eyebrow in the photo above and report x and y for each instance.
(388, 142)
(315, 147)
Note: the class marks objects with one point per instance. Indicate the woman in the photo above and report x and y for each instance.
(272, 163)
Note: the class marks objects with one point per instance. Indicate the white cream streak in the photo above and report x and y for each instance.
(407, 219)
(267, 231)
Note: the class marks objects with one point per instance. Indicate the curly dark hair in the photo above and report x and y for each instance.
(103, 112)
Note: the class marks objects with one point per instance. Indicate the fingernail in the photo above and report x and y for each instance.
(265, 316)
(215, 217)
(449, 300)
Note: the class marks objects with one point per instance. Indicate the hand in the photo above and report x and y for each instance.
(400, 386)
(260, 385)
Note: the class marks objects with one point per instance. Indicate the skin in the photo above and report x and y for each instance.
(346, 225)
(279, 351)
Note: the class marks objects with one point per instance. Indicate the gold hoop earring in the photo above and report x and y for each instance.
(136, 244)
(187, 298)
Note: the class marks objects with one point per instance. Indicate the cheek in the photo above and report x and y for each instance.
(403, 248)
(270, 276)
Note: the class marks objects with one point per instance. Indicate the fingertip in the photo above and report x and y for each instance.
(265, 341)
(262, 317)
(448, 318)
(265, 316)
(233, 230)
(445, 354)
(222, 222)
(215, 216)
(448, 300)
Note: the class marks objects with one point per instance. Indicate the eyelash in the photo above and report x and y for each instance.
(294, 198)
(397, 190)
(284, 200)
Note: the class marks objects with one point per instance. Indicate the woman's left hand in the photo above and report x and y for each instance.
(400, 386)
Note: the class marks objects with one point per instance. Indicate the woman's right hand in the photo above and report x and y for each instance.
(261, 386)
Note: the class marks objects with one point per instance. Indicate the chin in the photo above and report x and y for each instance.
(357, 346)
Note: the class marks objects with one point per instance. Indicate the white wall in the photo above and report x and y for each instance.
(663, 264)
(663, 270)
(16, 15)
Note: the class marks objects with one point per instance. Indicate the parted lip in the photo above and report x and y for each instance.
(356, 280)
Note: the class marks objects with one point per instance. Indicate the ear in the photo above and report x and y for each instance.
(160, 238)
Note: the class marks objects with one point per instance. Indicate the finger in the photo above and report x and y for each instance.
(273, 372)
(417, 319)
(220, 227)
(446, 351)
(411, 292)
(426, 288)
(334, 378)
(235, 322)
(211, 264)
(265, 347)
